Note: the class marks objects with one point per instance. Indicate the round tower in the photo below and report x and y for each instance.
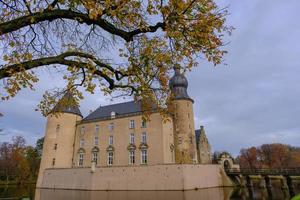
(183, 118)
(59, 136)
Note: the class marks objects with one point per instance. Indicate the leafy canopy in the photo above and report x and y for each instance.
(122, 47)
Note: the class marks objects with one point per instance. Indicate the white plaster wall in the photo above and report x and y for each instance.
(155, 177)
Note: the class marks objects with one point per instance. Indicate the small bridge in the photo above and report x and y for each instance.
(263, 172)
(245, 176)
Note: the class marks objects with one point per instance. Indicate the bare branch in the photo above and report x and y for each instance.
(8, 71)
(50, 15)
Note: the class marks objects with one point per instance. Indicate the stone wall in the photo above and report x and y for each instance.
(156, 177)
(63, 138)
(184, 132)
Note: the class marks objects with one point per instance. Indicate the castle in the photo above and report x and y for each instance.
(116, 137)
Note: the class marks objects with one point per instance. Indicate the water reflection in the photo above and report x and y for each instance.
(213, 194)
(17, 191)
(20, 192)
(205, 194)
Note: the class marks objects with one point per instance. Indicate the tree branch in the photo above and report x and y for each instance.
(50, 15)
(52, 5)
(8, 71)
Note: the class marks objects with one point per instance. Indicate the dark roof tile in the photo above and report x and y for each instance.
(104, 112)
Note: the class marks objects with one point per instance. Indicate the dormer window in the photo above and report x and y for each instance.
(112, 115)
(131, 124)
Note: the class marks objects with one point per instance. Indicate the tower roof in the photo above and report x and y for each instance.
(178, 85)
(67, 105)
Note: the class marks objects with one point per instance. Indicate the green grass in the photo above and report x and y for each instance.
(297, 197)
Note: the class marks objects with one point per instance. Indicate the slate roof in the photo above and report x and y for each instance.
(104, 112)
(178, 85)
(67, 107)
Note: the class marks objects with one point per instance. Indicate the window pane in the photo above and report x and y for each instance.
(82, 130)
(97, 129)
(144, 137)
(131, 124)
(110, 158)
(131, 157)
(144, 124)
(111, 127)
(81, 144)
(95, 157)
(80, 163)
(111, 140)
(144, 156)
(131, 138)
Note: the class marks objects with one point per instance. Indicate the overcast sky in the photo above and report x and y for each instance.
(255, 99)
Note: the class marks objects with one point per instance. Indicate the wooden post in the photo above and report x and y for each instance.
(262, 183)
(263, 188)
(269, 186)
(285, 187)
(290, 186)
(250, 187)
(243, 181)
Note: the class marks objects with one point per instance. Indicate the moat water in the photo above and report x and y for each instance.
(28, 192)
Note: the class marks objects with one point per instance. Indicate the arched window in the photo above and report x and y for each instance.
(144, 156)
(95, 155)
(110, 158)
(131, 157)
(80, 159)
(81, 152)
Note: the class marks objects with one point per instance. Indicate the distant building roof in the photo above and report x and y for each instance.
(197, 133)
(104, 112)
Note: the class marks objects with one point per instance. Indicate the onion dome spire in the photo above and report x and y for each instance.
(178, 85)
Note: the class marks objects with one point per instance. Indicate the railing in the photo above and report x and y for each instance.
(264, 172)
